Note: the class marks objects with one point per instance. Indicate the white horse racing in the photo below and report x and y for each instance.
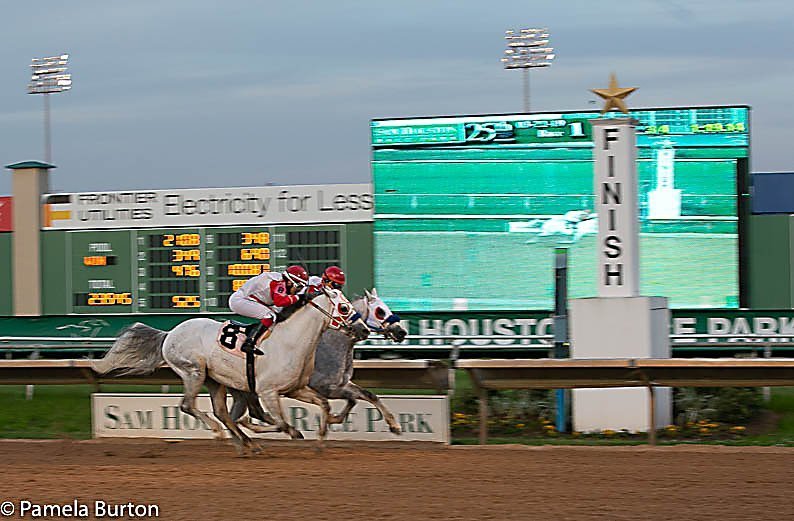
(333, 370)
(192, 350)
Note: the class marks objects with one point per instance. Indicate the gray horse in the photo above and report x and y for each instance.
(333, 368)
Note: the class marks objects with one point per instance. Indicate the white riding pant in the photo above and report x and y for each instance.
(250, 308)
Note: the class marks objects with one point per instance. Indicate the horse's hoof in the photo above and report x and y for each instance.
(297, 436)
(241, 451)
(257, 449)
(395, 429)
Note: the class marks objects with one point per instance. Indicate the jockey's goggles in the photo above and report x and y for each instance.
(334, 285)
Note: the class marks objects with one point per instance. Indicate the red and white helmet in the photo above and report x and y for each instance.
(335, 276)
(297, 275)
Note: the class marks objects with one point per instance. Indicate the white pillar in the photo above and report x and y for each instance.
(619, 323)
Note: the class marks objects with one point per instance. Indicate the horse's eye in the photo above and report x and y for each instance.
(344, 309)
(380, 313)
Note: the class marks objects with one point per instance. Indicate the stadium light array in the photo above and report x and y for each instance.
(49, 77)
(527, 49)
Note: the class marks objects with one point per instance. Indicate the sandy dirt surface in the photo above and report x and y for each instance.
(193, 480)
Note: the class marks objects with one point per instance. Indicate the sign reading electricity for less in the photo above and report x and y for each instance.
(208, 206)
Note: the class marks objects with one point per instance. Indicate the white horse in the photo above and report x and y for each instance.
(569, 227)
(192, 350)
(333, 370)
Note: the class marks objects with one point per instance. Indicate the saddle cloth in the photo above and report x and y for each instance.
(232, 335)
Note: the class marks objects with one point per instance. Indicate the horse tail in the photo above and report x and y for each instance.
(138, 350)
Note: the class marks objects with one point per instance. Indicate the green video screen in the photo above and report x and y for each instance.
(469, 210)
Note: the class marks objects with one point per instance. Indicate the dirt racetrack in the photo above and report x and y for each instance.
(194, 480)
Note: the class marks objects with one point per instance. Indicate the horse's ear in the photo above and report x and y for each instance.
(374, 292)
(368, 294)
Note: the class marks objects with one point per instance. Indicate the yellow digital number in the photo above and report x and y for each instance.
(255, 238)
(109, 299)
(237, 284)
(186, 255)
(186, 270)
(255, 254)
(188, 239)
(186, 301)
(168, 240)
(246, 270)
(95, 260)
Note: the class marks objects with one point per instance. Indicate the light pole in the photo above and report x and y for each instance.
(48, 77)
(527, 49)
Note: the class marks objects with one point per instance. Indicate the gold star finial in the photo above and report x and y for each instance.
(614, 95)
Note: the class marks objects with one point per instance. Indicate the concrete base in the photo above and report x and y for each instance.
(627, 327)
(620, 408)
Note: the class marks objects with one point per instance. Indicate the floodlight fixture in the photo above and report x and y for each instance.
(49, 77)
(527, 49)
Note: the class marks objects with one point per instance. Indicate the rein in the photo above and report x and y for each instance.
(345, 322)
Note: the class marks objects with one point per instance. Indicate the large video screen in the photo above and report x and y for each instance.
(469, 210)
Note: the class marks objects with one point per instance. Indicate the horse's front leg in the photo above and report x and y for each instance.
(244, 401)
(218, 397)
(351, 392)
(309, 395)
(342, 415)
(272, 401)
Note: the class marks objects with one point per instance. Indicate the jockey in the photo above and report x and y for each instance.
(263, 296)
(333, 278)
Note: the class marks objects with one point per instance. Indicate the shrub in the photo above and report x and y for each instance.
(721, 404)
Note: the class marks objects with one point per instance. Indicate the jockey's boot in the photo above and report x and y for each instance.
(256, 332)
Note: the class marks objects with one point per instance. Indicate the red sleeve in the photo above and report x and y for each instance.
(278, 291)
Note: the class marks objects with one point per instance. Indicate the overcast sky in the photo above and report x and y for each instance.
(198, 93)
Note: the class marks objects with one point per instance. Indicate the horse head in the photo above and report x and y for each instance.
(380, 318)
(344, 317)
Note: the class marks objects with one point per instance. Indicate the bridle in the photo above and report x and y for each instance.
(382, 326)
(346, 322)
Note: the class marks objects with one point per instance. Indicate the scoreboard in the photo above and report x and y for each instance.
(182, 269)
(489, 199)
(187, 251)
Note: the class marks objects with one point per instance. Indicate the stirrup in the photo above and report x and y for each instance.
(250, 347)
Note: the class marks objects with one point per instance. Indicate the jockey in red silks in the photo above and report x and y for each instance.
(333, 278)
(263, 296)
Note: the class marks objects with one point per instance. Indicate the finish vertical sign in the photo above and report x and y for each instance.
(615, 174)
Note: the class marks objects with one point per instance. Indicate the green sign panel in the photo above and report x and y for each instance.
(702, 325)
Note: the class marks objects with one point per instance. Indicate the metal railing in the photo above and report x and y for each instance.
(453, 345)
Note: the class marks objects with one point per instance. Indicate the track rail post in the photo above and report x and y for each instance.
(651, 415)
(483, 394)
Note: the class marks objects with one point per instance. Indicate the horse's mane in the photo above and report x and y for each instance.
(286, 313)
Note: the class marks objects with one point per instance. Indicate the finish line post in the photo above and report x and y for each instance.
(619, 323)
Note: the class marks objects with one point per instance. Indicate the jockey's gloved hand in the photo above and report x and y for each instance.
(313, 293)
